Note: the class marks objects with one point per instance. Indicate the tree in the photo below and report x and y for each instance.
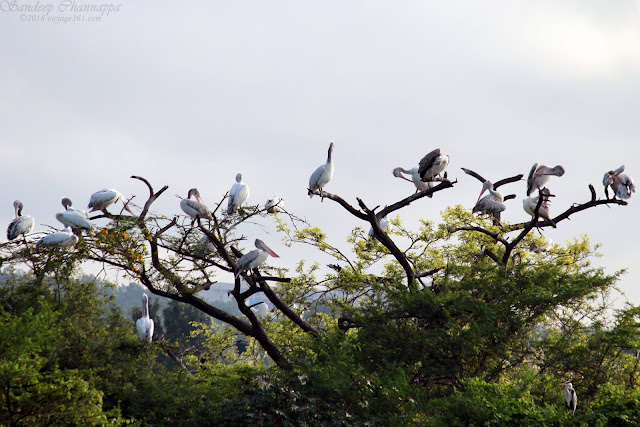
(462, 301)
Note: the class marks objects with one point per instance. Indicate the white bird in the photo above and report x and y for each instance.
(492, 203)
(570, 397)
(60, 239)
(274, 205)
(74, 218)
(322, 175)
(205, 245)
(195, 208)
(432, 165)
(415, 178)
(237, 195)
(621, 184)
(21, 224)
(101, 200)
(254, 258)
(529, 205)
(145, 325)
(384, 225)
(540, 175)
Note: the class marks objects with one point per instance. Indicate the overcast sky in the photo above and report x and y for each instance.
(190, 94)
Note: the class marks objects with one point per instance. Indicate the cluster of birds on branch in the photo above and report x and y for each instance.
(430, 170)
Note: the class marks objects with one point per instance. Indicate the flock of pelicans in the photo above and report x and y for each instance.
(429, 171)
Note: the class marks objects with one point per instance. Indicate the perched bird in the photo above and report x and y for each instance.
(237, 195)
(60, 239)
(205, 245)
(76, 219)
(570, 398)
(384, 225)
(21, 224)
(492, 203)
(621, 184)
(195, 208)
(144, 325)
(529, 205)
(102, 199)
(415, 178)
(322, 175)
(432, 165)
(274, 205)
(254, 258)
(540, 175)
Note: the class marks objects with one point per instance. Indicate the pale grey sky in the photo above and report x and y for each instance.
(190, 94)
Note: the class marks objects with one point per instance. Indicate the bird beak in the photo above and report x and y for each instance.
(126, 207)
(273, 254)
(481, 193)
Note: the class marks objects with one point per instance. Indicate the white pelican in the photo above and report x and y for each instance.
(384, 225)
(621, 184)
(540, 175)
(274, 205)
(60, 239)
(415, 178)
(74, 218)
(254, 258)
(21, 224)
(570, 397)
(492, 203)
(432, 165)
(205, 245)
(237, 195)
(102, 199)
(529, 205)
(195, 208)
(144, 325)
(322, 175)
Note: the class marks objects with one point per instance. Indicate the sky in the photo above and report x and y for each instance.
(188, 95)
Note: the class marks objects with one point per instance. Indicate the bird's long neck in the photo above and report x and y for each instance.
(145, 308)
(19, 212)
(329, 154)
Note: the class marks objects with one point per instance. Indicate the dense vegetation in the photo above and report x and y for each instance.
(460, 327)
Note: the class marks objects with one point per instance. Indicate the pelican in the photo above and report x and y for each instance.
(60, 239)
(144, 325)
(415, 178)
(529, 205)
(621, 184)
(237, 195)
(570, 398)
(274, 205)
(21, 224)
(322, 175)
(432, 165)
(492, 203)
(102, 199)
(74, 218)
(540, 175)
(254, 258)
(384, 225)
(205, 245)
(195, 208)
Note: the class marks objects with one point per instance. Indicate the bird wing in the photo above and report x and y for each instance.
(59, 238)
(246, 261)
(73, 219)
(20, 225)
(195, 209)
(532, 173)
(427, 161)
(103, 198)
(315, 177)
